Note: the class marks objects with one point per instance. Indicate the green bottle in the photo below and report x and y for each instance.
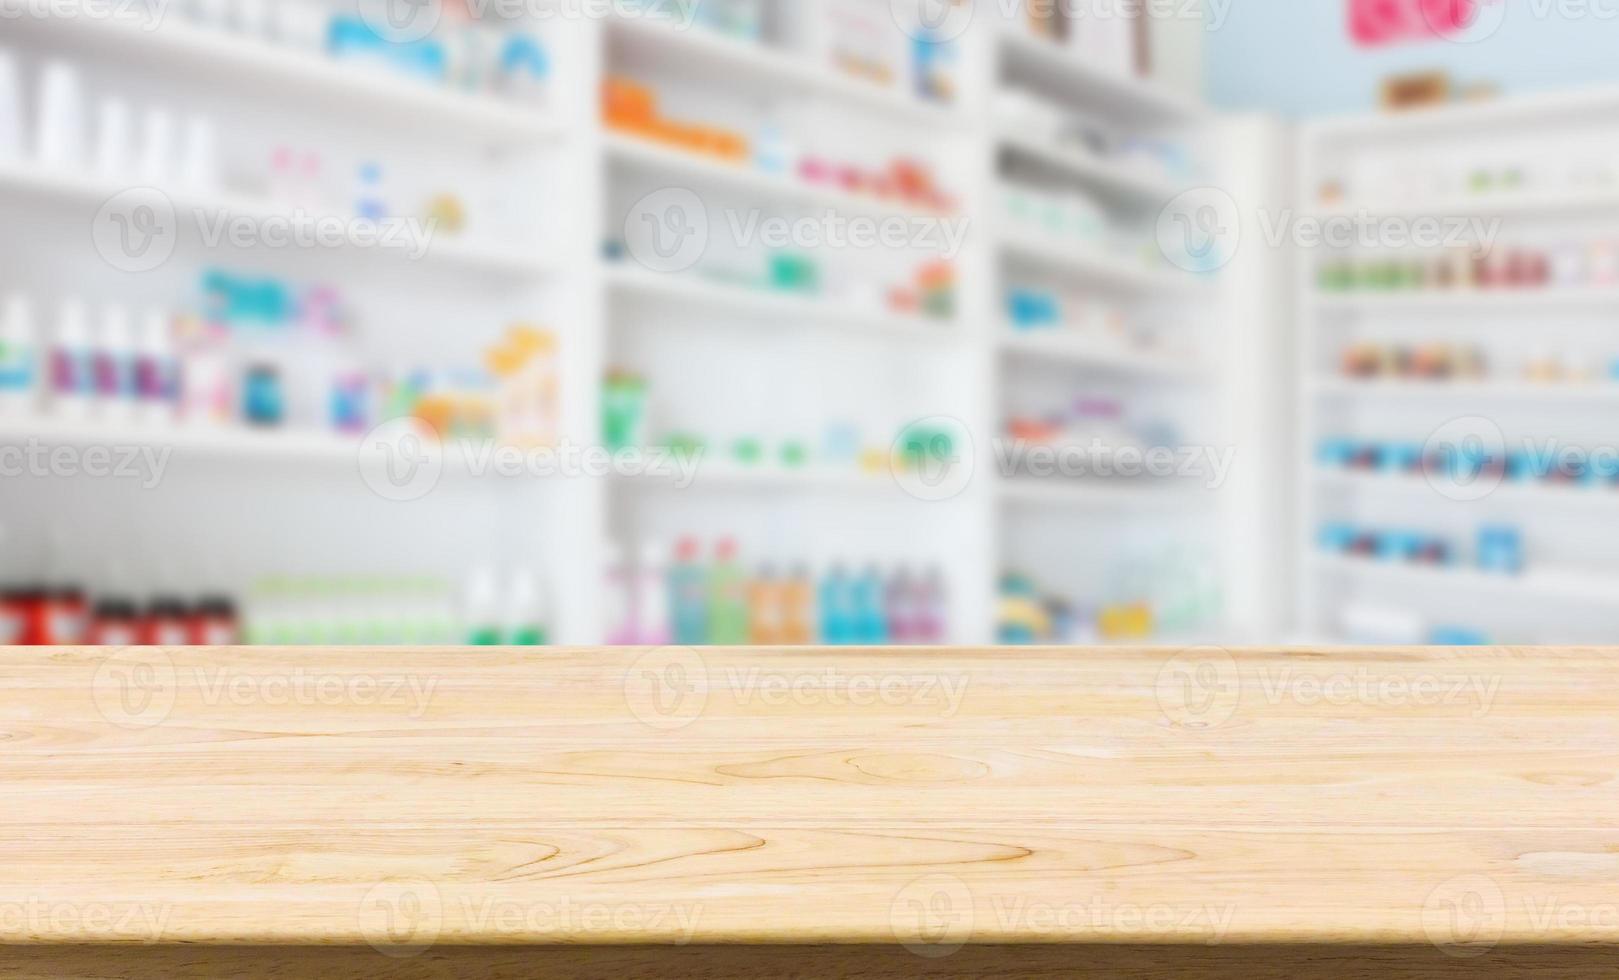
(728, 598)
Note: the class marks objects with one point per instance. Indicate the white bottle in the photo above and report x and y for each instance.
(156, 371)
(480, 612)
(199, 155)
(652, 596)
(72, 385)
(61, 124)
(11, 129)
(156, 165)
(115, 366)
(526, 619)
(115, 139)
(19, 357)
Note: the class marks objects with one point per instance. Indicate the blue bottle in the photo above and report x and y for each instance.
(834, 602)
(870, 609)
(688, 596)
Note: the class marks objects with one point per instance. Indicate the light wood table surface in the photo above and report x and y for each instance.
(1043, 812)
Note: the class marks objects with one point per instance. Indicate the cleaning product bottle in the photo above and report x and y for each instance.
(652, 596)
(482, 611)
(765, 602)
(899, 608)
(115, 366)
(930, 609)
(526, 613)
(836, 619)
(871, 625)
(688, 595)
(157, 371)
(798, 608)
(19, 357)
(728, 598)
(72, 383)
(620, 599)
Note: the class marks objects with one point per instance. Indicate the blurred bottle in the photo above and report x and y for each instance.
(837, 612)
(928, 626)
(688, 596)
(72, 381)
(765, 608)
(19, 356)
(728, 598)
(900, 608)
(157, 371)
(482, 611)
(620, 599)
(114, 366)
(652, 596)
(870, 621)
(798, 608)
(526, 613)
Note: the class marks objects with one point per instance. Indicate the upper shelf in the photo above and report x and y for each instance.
(1118, 181)
(1053, 69)
(1469, 119)
(289, 75)
(696, 53)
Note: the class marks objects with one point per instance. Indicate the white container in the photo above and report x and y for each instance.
(72, 380)
(115, 366)
(19, 357)
(199, 155)
(115, 139)
(11, 125)
(157, 156)
(61, 137)
(156, 371)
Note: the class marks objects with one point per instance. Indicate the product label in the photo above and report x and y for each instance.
(70, 372)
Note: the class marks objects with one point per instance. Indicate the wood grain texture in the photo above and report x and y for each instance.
(419, 801)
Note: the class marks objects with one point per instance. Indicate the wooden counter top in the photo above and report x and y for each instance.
(415, 801)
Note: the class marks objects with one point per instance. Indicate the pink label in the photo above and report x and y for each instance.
(1373, 23)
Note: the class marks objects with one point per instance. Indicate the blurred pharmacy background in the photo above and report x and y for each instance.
(865, 322)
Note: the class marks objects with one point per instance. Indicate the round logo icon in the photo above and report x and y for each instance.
(938, 21)
(402, 21)
(1464, 21)
(667, 688)
(1199, 688)
(1200, 230)
(933, 916)
(135, 688)
(136, 230)
(934, 458)
(1465, 459)
(1465, 916)
(402, 460)
(667, 230)
(401, 917)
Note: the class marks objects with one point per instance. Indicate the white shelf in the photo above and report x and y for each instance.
(1098, 267)
(1471, 301)
(744, 178)
(1503, 204)
(1533, 494)
(91, 192)
(1114, 178)
(700, 54)
(286, 75)
(1466, 390)
(1056, 69)
(1552, 585)
(1059, 346)
(233, 444)
(665, 290)
(1471, 118)
(1088, 495)
(727, 475)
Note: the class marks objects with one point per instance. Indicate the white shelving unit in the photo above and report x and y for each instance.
(720, 357)
(1426, 164)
